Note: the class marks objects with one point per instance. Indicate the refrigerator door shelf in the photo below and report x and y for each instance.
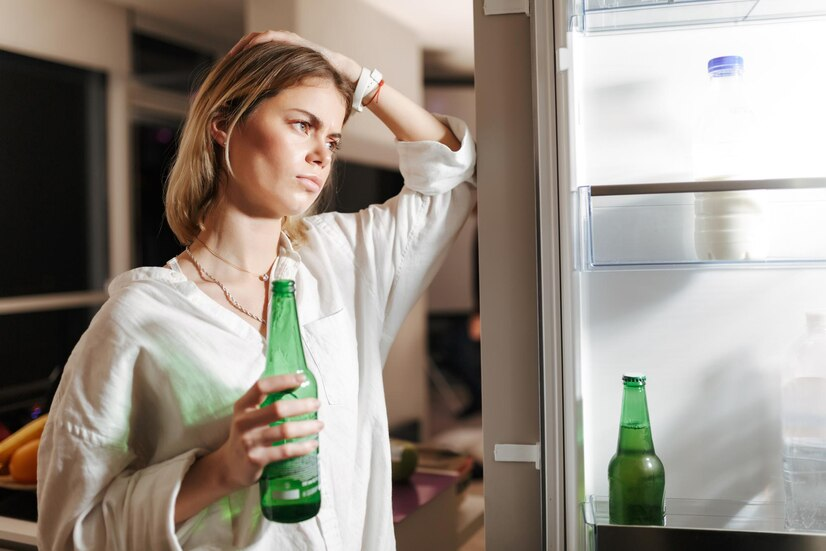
(699, 524)
(703, 225)
(599, 16)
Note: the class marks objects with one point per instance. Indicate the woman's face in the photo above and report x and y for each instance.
(282, 154)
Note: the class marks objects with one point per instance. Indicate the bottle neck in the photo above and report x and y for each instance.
(283, 312)
(635, 428)
(284, 350)
(729, 84)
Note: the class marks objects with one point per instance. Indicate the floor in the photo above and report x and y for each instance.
(463, 435)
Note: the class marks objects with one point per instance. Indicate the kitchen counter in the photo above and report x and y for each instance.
(16, 534)
(18, 513)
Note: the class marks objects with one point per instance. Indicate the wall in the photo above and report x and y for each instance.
(406, 390)
(452, 290)
(93, 35)
(60, 31)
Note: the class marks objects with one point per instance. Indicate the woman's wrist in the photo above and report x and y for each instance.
(370, 97)
(218, 472)
(204, 483)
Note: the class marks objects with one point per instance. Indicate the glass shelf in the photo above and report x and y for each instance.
(668, 225)
(699, 524)
(595, 16)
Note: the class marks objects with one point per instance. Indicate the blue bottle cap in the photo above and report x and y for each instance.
(728, 64)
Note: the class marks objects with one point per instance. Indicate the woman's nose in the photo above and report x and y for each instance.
(320, 154)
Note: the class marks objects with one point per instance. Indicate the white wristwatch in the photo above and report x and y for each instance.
(368, 81)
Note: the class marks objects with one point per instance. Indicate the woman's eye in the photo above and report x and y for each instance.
(303, 126)
(334, 146)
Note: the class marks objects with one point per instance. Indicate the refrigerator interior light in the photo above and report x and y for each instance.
(596, 16)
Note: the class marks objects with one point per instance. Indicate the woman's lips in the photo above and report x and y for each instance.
(311, 183)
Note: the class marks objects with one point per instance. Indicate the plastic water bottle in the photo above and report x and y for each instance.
(804, 429)
(728, 225)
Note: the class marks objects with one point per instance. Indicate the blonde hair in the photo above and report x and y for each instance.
(231, 91)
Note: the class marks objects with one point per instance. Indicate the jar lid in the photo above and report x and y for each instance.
(728, 64)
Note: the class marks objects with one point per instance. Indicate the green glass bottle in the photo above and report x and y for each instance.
(290, 489)
(636, 477)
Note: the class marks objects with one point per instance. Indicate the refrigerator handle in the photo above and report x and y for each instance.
(518, 453)
(563, 59)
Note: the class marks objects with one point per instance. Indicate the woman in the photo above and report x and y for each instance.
(155, 439)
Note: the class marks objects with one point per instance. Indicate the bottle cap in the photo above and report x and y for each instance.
(725, 65)
(633, 378)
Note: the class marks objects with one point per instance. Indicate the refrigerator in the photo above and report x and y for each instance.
(591, 264)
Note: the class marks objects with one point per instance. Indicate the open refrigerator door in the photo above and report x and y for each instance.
(653, 275)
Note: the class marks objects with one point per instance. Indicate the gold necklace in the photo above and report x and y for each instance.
(223, 287)
(263, 277)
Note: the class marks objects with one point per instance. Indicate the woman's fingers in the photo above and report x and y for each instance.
(287, 431)
(268, 454)
(276, 411)
(241, 44)
(267, 436)
(265, 386)
(259, 444)
(256, 38)
(252, 39)
(343, 64)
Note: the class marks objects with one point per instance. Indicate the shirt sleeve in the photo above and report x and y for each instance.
(398, 246)
(90, 494)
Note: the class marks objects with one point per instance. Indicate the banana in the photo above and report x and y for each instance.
(28, 432)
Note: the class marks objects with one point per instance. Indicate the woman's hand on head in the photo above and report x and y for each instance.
(249, 449)
(348, 68)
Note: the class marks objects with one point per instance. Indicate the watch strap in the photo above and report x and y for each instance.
(368, 81)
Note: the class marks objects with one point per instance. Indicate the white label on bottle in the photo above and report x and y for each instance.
(286, 494)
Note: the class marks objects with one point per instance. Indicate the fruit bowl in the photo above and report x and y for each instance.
(8, 483)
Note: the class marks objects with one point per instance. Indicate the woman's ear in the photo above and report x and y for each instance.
(217, 129)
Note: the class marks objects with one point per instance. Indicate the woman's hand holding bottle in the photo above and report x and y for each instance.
(249, 447)
(240, 460)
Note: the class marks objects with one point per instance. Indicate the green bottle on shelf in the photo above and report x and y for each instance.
(636, 477)
(290, 489)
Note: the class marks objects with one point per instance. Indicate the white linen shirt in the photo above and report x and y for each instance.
(151, 384)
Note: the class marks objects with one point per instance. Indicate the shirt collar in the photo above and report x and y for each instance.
(288, 261)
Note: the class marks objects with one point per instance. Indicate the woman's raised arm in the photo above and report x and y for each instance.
(408, 121)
